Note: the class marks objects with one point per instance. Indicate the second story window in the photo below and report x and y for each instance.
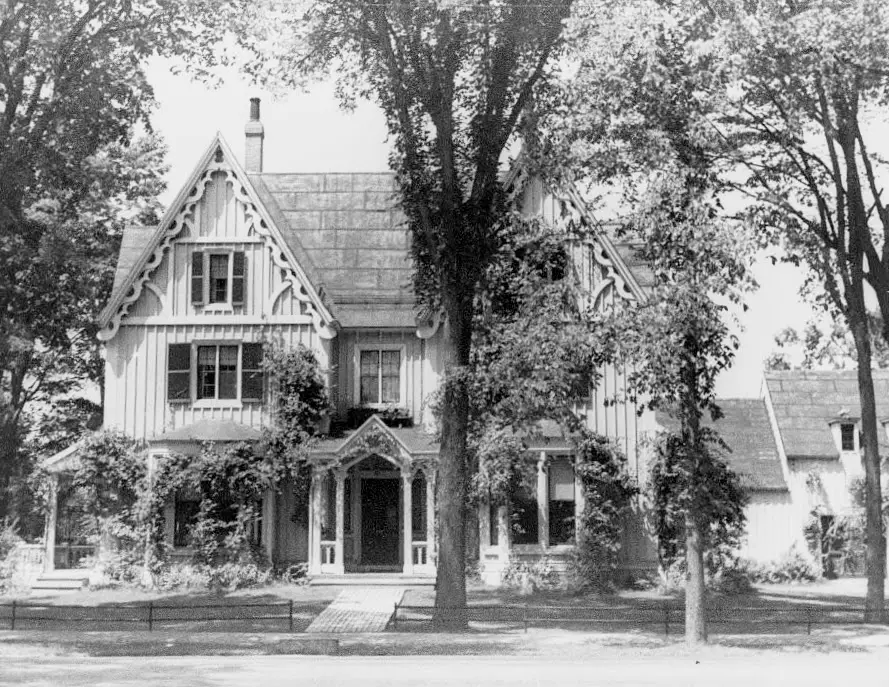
(215, 372)
(379, 377)
(218, 279)
(847, 436)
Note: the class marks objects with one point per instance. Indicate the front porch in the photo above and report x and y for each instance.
(372, 505)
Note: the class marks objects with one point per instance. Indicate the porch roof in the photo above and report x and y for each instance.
(210, 430)
(415, 439)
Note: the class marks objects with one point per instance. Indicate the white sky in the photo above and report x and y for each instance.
(309, 133)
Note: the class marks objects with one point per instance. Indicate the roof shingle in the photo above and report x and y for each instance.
(745, 428)
(805, 402)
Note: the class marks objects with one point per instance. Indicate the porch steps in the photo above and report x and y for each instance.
(61, 580)
(358, 610)
(372, 580)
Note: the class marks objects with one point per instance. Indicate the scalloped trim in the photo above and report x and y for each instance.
(185, 217)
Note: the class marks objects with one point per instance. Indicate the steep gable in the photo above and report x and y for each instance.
(184, 218)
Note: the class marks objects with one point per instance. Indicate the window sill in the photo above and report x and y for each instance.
(218, 403)
(218, 309)
(538, 549)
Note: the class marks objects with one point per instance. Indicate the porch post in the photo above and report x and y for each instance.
(430, 518)
(542, 502)
(315, 523)
(408, 522)
(49, 536)
(579, 503)
(269, 524)
(340, 520)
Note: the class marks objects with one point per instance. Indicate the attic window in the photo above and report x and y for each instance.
(847, 436)
(218, 278)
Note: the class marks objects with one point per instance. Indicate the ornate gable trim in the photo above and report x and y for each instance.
(616, 272)
(217, 158)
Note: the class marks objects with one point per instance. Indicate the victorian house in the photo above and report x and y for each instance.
(244, 257)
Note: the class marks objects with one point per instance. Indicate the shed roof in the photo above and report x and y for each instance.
(211, 430)
(132, 243)
(745, 428)
(805, 402)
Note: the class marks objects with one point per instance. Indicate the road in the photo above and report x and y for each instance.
(757, 670)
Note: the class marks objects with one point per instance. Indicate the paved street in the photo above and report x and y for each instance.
(759, 670)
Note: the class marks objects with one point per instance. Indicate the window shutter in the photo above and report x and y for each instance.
(179, 373)
(239, 278)
(197, 278)
(251, 372)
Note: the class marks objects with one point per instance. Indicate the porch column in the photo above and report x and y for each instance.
(408, 522)
(542, 502)
(504, 535)
(579, 503)
(340, 520)
(52, 516)
(315, 523)
(269, 523)
(430, 518)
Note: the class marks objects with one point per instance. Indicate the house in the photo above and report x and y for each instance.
(243, 257)
(798, 453)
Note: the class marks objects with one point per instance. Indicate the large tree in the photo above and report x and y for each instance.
(632, 122)
(454, 81)
(807, 86)
(72, 92)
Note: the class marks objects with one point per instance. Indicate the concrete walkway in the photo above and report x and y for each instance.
(358, 610)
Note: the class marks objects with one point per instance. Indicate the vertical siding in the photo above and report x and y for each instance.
(415, 365)
(773, 526)
(136, 365)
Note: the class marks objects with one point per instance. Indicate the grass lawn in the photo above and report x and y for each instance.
(773, 609)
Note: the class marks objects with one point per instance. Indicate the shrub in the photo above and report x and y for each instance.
(232, 576)
(792, 567)
(183, 576)
(297, 574)
(537, 575)
(9, 540)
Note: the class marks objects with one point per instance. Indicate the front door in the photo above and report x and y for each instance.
(379, 522)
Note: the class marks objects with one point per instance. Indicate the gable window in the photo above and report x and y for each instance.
(847, 436)
(208, 372)
(218, 278)
(379, 376)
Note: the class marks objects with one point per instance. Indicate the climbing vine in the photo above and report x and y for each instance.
(608, 491)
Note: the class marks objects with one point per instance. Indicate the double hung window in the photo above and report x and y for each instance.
(380, 376)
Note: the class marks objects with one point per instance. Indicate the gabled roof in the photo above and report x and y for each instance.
(806, 401)
(349, 229)
(133, 273)
(344, 233)
(746, 430)
(414, 440)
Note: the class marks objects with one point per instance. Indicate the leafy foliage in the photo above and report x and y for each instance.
(231, 480)
(608, 492)
(718, 498)
(826, 345)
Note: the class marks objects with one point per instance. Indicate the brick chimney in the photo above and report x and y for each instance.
(254, 133)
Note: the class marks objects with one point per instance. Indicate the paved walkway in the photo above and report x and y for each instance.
(358, 610)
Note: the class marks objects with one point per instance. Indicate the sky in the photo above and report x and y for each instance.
(308, 132)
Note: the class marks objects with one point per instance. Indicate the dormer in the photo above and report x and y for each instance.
(845, 430)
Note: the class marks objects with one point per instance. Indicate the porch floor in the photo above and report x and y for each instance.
(358, 610)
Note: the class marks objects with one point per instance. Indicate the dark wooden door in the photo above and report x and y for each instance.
(379, 522)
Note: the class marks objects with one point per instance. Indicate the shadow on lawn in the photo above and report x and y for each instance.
(193, 612)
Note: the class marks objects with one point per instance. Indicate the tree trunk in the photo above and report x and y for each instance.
(874, 538)
(695, 611)
(449, 612)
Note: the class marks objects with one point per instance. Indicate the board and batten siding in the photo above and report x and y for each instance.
(136, 358)
(422, 366)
